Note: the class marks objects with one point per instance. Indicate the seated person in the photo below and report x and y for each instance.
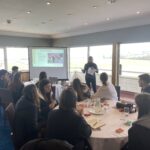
(66, 123)
(107, 90)
(4, 79)
(16, 87)
(47, 102)
(25, 120)
(82, 90)
(144, 82)
(42, 76)
(139, 133)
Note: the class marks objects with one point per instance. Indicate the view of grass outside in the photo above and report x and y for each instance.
(135, 59)
(102, 57)
(2, 66)
(17, 57)
(78, 58)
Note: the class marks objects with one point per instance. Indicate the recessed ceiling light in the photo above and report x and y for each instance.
(138, 12)
(94, 6)
(43, 22)
(111, 1)
(108, 19)
(48, 3)
(69, 14)
(28, 12)
(85, 23)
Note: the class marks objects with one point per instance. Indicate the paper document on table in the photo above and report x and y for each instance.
(91, 71)
(94, 123)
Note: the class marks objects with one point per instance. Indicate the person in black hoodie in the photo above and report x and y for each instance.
(26, 113)
(66, 123)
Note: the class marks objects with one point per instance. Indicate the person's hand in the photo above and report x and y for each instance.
(52, 105)
(79, 110)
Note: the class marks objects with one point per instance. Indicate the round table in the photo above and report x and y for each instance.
(106, 138)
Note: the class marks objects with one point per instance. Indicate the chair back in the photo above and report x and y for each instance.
(118, 91)
(5, 97)
(10, 113)
(45, 144)
(53, 80)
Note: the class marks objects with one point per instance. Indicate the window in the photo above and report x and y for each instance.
(17, 57)
(135, 59)
(102, 57)
(78, 57)
(2, 64)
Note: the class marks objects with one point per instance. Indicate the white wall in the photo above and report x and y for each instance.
(23, 41)
(126, 35)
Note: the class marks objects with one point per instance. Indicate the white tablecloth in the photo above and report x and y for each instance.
(106, 138)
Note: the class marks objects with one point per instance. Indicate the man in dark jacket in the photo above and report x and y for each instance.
(90, 68)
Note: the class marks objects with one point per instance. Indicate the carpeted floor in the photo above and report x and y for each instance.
(5, 138)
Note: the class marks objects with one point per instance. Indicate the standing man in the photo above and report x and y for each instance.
(90, 68)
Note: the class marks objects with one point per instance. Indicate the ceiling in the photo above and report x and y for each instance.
(63, 18)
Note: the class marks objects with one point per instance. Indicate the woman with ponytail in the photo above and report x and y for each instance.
(107, 91)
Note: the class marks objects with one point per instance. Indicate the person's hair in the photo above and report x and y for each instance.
(42, 84)
(2, 72)
(14, 68)
(143, 103)
(76, 84)
(68, 99)
(16, 82)
(42, 75)
(30, 93)
(145, 77)
(104, 78)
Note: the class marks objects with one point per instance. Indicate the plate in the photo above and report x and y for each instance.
(93, 111)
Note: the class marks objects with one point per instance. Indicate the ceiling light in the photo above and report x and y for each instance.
(43, 22)
(48, 3)
(28, 12)
(94, 7)
(111, 1)
(85, 23)
(69, 14)
(138, 12)
(108, 19)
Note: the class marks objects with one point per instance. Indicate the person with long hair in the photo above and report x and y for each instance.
(107, 91)
(139, 133)
(16, 87)
(26, 114)
(4, 78)
(47, 101)
(42, 76)
(82, 90)
(66, 123)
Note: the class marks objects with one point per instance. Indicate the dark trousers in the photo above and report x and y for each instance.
(91, 82)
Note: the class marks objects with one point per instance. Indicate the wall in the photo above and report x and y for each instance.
(23, 41)
(126, 35)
